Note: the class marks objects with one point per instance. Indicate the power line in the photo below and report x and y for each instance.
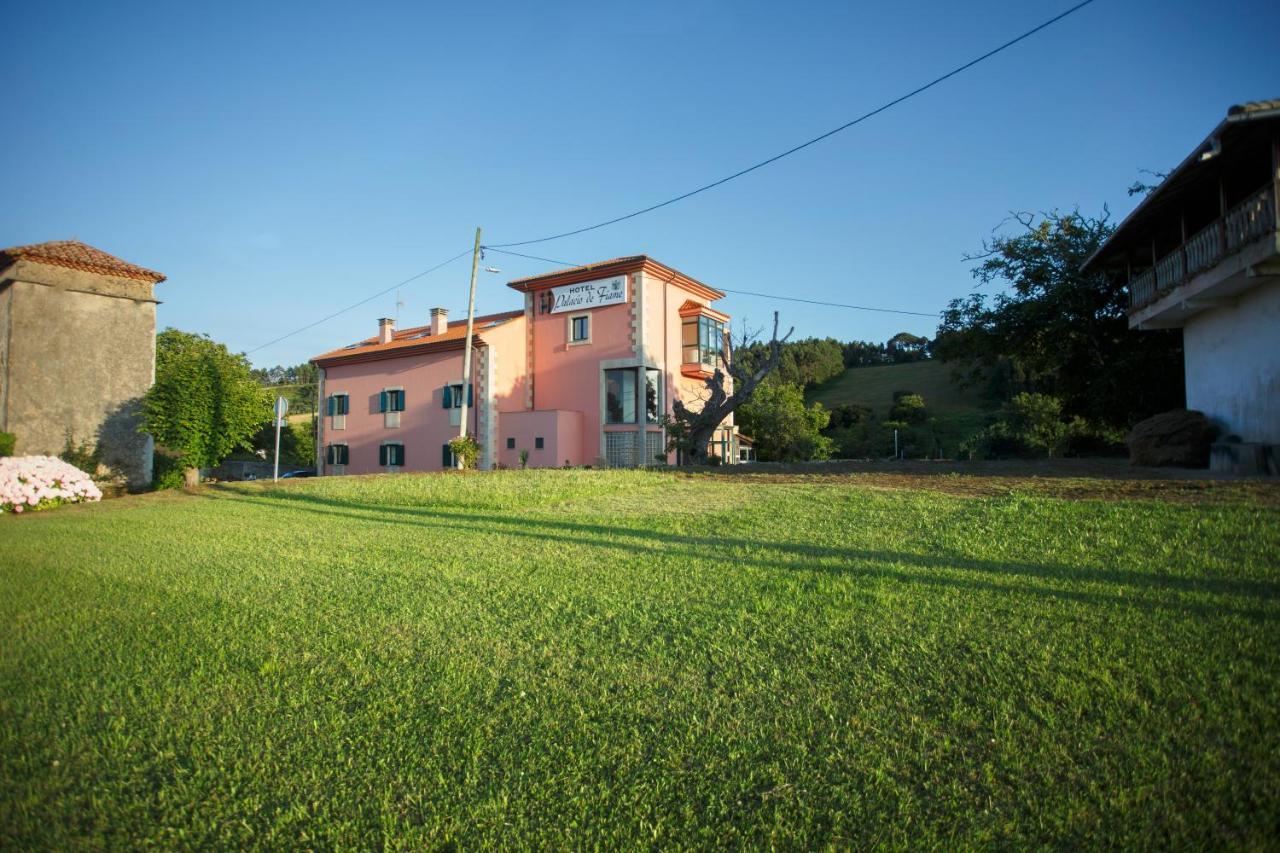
(952, 73)
(742, 292)
(361, 302)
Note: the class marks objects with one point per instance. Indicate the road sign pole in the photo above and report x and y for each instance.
(282, 409)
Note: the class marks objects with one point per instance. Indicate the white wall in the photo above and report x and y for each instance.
(1233, 364)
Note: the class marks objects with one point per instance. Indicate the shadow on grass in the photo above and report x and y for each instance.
(823, 558)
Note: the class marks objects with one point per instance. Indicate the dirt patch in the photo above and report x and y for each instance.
(1073, 479)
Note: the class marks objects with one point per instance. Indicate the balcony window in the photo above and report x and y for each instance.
(702, 340)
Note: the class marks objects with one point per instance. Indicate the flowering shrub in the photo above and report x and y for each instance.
(32, 483)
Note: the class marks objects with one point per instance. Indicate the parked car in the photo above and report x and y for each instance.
(304, 472)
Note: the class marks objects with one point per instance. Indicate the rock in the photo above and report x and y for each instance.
(1181, 437)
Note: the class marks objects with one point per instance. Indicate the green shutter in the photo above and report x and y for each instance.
(382, 454)
(332, 407)
(344, 404)
(402, 401)
(471, 398)
(382, 401)
(448, 398)
(446, 460)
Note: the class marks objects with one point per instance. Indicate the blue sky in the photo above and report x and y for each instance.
(280, 161)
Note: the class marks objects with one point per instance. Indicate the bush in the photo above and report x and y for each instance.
(466, 449)
(908, 408)
(82, 455)
(33, 483)
(1032, 425)
(166, 471)
(7, 441)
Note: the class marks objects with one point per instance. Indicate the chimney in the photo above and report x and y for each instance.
(439, 320)
(386, 329)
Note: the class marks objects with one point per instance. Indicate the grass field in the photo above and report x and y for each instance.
(874, 387)
(625, 659)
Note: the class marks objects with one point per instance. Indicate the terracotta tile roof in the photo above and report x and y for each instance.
(1254, 107)
(417, 337)
(628, 259)
(79, 256)
(650, 265)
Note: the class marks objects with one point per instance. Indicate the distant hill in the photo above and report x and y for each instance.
(874, 387)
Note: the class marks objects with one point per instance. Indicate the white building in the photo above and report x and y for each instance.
(1201, 253)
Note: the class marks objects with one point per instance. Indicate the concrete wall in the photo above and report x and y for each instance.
(1233, 364)
(77, 352)
(560, 431)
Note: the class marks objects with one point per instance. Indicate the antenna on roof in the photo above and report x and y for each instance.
(399, 305)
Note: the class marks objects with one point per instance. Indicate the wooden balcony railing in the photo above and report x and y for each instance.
(1250, 219)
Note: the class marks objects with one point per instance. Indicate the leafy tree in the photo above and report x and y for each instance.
(297, 384)
(904, 347)
(864, 354)
(805, 362)
(1060, 331)
(783, 428)
(908, 408)
(205, 403)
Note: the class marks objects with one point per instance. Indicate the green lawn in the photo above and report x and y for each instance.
(625, 659)
(874, 387)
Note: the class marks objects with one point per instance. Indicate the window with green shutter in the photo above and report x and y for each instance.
(336, 454)
(453, 396)
(391, 455)
(339, 404)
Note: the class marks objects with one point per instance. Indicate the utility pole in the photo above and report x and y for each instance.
(466, 352)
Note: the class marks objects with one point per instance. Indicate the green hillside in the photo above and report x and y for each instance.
(874, 387)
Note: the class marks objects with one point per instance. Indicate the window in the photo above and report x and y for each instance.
(652, 395)
(702, 339)
(580, 329)
(511, 444)
(339, 404)
(390, 455)
(447, 459)
(453, 396)
(391, 400)
(537, 443)
(621, 403)
(336, 454)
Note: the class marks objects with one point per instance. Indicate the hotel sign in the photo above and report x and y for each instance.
(589, 294)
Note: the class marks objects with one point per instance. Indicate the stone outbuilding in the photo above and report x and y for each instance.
(77, 352)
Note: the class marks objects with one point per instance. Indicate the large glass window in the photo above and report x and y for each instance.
(621, 403)
(620, 399)
(702, 339)
(652, 395)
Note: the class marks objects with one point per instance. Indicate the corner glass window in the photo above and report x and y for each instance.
(701, 340)
(620, 399)
(652, 395)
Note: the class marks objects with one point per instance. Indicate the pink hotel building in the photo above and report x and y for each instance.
(581, 376)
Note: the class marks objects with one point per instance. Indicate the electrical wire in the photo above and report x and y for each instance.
(742, 292)
(411, 278)
(888, 105)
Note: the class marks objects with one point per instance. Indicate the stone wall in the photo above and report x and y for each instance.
(77, 352)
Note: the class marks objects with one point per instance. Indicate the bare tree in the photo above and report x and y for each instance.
(692, 431)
